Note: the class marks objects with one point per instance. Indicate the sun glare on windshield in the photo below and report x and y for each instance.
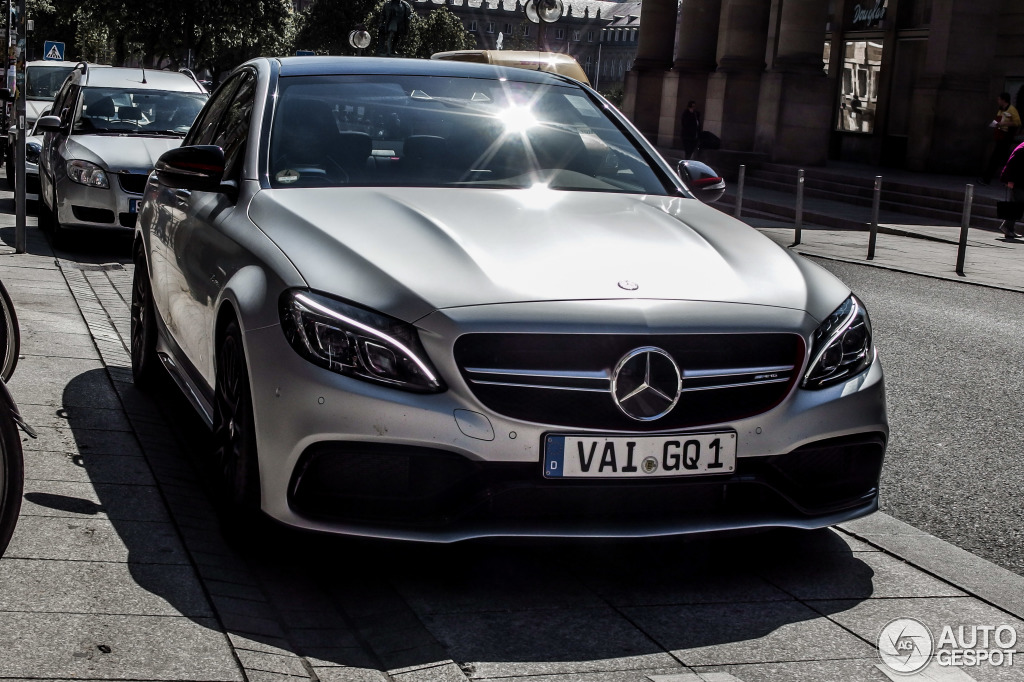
(517, 119)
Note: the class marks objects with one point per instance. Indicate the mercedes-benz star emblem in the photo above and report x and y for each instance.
(628, 285)
(646, 384)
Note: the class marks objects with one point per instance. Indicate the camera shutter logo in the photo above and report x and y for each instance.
(905, 645)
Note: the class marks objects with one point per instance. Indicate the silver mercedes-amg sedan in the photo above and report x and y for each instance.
(438, 300)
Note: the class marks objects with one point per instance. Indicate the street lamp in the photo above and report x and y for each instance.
(359, 39)
(543, 12)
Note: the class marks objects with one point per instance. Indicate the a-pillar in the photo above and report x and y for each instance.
(795, 108)
(697, 45)
(643, 83)
(734, 87)
(951, 102)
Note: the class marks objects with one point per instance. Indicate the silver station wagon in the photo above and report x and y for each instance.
(437, 301)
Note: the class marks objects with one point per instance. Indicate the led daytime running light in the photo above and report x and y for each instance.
(323, 310)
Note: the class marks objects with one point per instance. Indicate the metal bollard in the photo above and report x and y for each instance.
(739, 191)
(875, 203)
(965, 223)
(799, 205)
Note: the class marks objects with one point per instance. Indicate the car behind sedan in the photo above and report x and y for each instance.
(437, 300)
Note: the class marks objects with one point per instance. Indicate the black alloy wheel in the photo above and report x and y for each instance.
(12, 473)
(145, 363)
(234, 433)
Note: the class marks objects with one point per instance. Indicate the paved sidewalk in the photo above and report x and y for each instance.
(118, 570)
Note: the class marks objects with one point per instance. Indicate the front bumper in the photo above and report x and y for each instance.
(83, 207)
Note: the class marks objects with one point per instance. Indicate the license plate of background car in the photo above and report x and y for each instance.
(686, 454)
(133, 205)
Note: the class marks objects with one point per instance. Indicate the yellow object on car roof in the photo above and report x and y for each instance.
(553, 62)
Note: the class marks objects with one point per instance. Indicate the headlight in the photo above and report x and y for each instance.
(841, 346)
(32, 151)
(357, 342)
(85, 173)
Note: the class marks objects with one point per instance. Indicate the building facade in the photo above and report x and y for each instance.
(904, 83)
(601, 35)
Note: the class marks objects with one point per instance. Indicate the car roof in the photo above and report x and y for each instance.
(322, 66)
(122, 77)
(52, 62)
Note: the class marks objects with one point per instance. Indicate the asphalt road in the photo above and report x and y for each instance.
(954, 361)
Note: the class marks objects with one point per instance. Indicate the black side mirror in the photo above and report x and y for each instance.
(199, 168)
(6, 95)
(48, 124)
(702, 180)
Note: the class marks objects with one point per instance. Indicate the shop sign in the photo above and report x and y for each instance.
(866, 16)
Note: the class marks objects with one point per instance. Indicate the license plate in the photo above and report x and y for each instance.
(134, 205)
(689, 454)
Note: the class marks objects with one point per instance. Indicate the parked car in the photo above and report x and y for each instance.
(12, 466)
(111, 125)
(437, 300)
(43, 79)
(552, 62)
(33, 148)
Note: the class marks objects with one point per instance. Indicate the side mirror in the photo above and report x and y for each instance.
(48, 124)
(6, 95)
(699, 178)
(199, 168)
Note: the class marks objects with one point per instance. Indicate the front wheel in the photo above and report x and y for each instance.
(145, 363)
(12, 474)
(234, 432)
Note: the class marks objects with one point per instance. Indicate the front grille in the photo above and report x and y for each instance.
(565, 379)
(89, 214)
(134, 183)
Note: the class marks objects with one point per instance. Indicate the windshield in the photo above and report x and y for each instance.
(43, 82)
(421, 131)
(142, 112)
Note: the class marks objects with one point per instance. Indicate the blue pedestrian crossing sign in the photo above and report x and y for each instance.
(53, 51)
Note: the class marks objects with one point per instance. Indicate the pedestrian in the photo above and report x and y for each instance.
(1013, 176)
(1004, 128)
(692, 125)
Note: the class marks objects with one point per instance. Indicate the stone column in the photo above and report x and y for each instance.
(643, 83)
(795, 108)
(733, 89)
(954, 98)
(697, 44)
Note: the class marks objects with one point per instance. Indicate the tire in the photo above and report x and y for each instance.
(12, 474)
(145, 363)
(59, 236)
(10, 336)
(234, 432)
(45, 214)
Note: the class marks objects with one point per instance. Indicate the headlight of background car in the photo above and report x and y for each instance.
(32, 151)
(357, 342)
(85, 173)
(840, 346)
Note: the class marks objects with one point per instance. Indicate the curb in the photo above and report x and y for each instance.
(978, 577)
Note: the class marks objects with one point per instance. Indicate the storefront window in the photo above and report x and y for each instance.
(862, 61)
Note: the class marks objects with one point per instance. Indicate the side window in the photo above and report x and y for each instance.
(205, 127)
(233, 131)
(64, 104)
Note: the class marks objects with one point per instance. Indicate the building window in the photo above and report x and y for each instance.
(862, 62)
(508, 29)
(526, 31)
(559, 34)
(576, 36)
(472, 26)
(490, 27)
(590, 36)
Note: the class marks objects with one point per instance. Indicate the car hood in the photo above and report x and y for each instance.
(120, 153)
(410, 251)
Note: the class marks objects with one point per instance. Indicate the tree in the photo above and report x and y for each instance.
(325, 26)
(440, 31)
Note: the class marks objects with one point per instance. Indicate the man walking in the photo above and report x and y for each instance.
(1013, 176)
(692, 126)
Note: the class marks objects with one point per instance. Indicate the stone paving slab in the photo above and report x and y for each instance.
(121, 647)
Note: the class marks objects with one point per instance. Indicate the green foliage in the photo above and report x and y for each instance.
(518, 40)
(442, 31)
(325, 26)
(613, 95)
